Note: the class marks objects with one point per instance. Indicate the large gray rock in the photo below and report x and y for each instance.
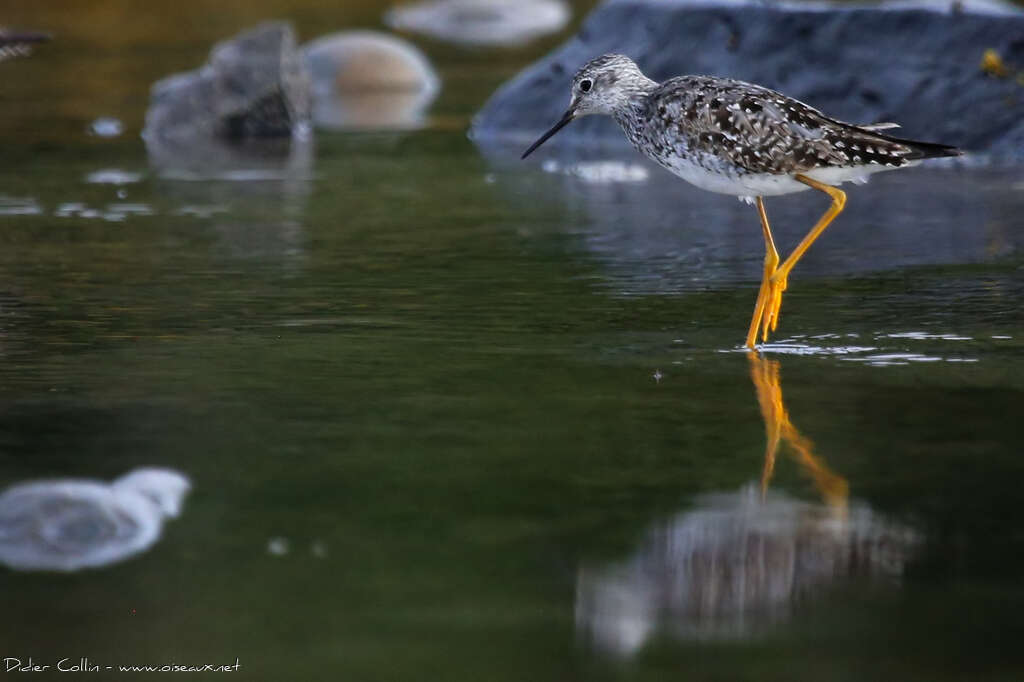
(916, 64)
(254, 85)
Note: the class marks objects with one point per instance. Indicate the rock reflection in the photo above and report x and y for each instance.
(286, 160)
(69, 524)
(481, 22)
(255, 194)
(739, 562)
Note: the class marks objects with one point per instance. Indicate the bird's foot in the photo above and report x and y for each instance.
(775, 286)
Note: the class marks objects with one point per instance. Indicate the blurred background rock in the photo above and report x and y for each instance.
(367, 80)
(86, 60)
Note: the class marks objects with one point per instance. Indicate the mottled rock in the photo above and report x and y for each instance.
(255, 85)
(919, 64)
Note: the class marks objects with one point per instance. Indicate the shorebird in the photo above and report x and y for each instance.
(732, 137)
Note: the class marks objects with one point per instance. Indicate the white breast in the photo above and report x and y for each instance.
(714, 176)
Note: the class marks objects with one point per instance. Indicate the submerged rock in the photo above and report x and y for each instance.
(66, 525)
(919, 64)
(366, 79)
(481, 22)
(255, 85)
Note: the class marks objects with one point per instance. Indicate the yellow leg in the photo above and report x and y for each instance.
(765, 375)
(832, 487)
(771, 261)
(777, 283)
(779, 429)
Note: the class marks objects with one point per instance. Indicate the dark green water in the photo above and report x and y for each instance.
(430, 370)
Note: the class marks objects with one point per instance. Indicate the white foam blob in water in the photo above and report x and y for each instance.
(70, 524)
(602, 172)
(891, 359)
(599, 172)
(112, 176)
(106, 126)
(119, 212)
(481, 22)
(115, 212)
(278, 546)
(75, 209)
(130, 209)
(925, 336)
(201, 211)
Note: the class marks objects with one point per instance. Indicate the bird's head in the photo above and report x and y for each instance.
(602, 86)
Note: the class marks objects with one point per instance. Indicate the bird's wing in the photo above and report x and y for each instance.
(763, 131)
(879, 126)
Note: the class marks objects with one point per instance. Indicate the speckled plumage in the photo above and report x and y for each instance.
(731, 137)
(737, 138)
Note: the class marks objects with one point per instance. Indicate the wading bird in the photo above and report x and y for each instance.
(731, 137)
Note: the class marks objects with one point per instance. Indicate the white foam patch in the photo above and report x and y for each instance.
(599, 172)
(112, 176)
(71, 524)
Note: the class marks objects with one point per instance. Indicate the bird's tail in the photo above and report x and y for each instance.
(921, 150)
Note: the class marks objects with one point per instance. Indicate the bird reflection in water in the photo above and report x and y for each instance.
(738, 562)
(779, 430)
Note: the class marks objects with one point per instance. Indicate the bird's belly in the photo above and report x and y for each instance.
(714, 176)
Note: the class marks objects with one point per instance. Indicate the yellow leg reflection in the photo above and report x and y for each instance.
(780, 430)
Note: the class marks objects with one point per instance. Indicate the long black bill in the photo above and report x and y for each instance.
(566, 119)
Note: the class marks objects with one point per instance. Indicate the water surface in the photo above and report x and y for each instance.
(427, 396)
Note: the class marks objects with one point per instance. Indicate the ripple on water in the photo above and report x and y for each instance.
(599, 172)
(792, 347)
(10, 206)
(924, 336)
(112, 176)
(199, 211)
(115, 212)
(883, 352)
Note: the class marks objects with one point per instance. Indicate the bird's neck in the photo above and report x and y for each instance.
(629, 112)
(629, 107)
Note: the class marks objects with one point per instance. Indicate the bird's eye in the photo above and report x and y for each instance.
(586, 84)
